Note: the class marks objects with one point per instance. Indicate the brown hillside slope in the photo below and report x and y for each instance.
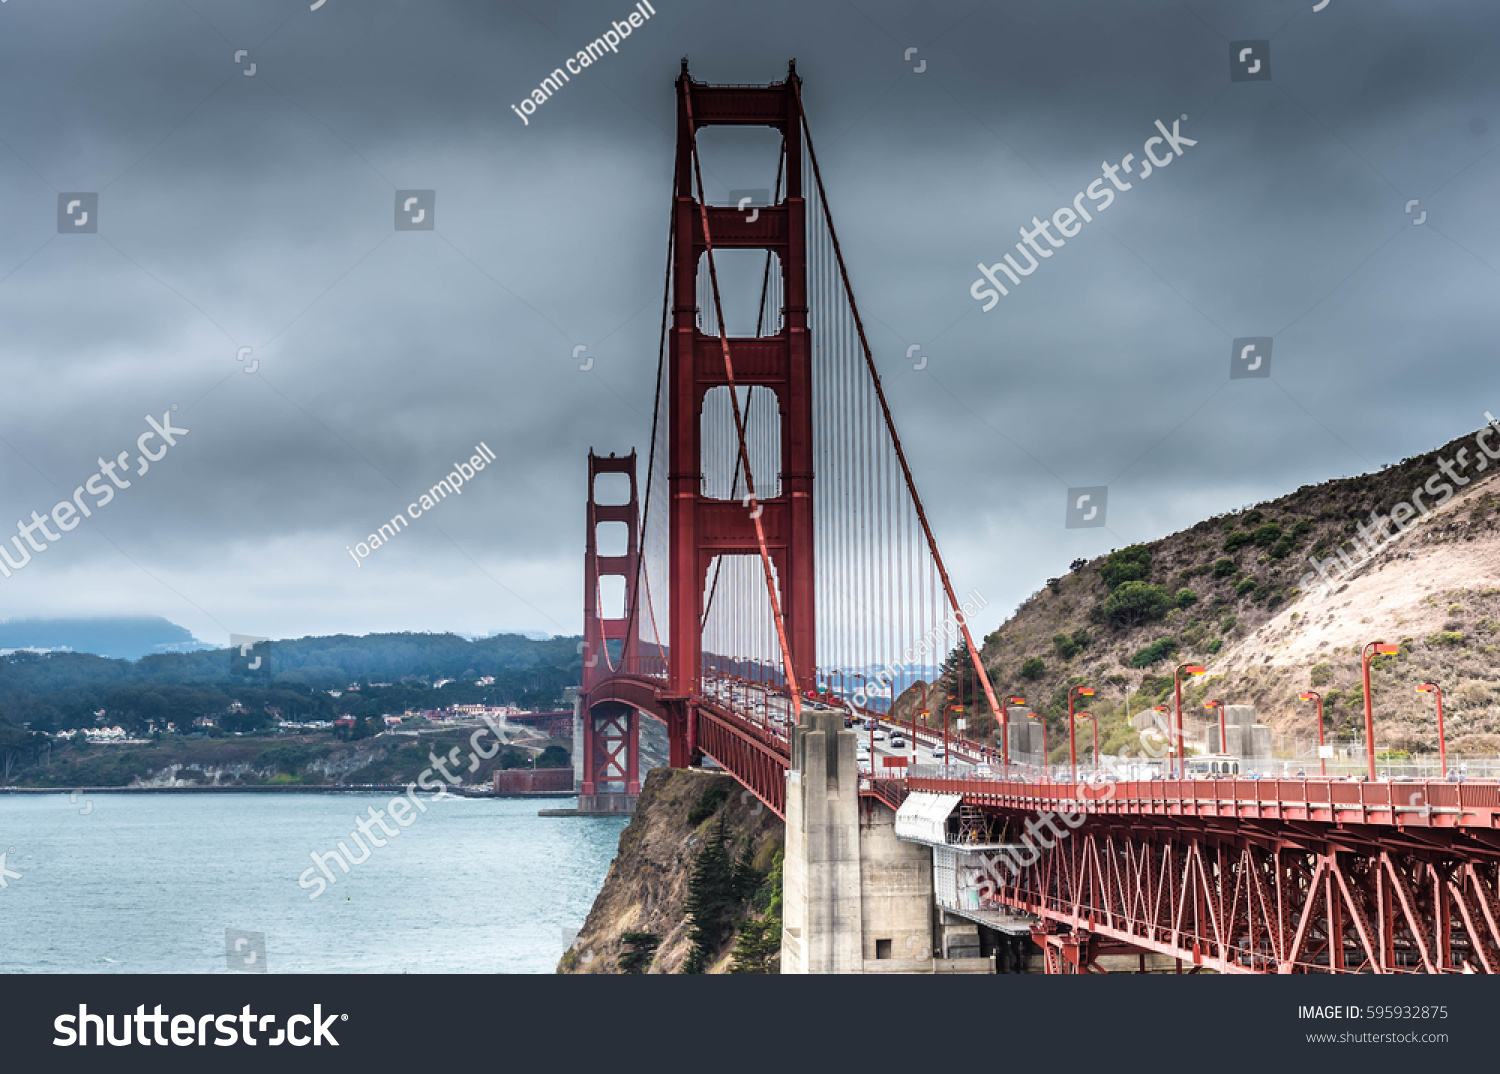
(646, 888)
(1435, 591)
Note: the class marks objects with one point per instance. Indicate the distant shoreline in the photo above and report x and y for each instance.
(367, 788)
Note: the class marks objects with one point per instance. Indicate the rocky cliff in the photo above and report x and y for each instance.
(645, 892)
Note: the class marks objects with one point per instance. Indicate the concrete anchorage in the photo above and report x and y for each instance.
(854, 898)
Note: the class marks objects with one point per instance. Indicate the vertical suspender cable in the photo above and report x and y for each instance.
(890, 423)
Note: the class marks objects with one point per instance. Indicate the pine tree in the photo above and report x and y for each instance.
(711, 901)
(640, 949)
(745, 879)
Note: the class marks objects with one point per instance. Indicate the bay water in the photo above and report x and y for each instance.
(148, 883)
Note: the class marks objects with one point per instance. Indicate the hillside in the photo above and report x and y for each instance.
(1239, 594)
(122, 637)
(646, 891)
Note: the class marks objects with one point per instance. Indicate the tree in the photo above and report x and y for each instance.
(711, 902)
(1033, 668)
(1130, 564)
(553, 757)
(745, 878)
(1134, 603)
(759, 942)
(638, 949)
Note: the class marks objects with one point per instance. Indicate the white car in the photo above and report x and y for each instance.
(879, 735)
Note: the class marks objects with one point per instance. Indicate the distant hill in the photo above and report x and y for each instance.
(123, 637)
(1237, 593)
(61, 689)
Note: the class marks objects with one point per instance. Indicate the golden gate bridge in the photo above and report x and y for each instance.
(777, 550)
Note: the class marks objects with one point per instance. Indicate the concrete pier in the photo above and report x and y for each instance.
(855, 899)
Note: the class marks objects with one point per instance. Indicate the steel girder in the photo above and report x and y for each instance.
(1256, 902)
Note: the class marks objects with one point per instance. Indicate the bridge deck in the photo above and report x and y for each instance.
(1416, 803)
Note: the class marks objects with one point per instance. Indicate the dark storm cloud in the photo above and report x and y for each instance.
(256, 211)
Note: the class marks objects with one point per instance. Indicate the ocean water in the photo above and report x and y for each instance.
(147, 883)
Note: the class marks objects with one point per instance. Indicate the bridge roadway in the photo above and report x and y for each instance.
(1237, 875)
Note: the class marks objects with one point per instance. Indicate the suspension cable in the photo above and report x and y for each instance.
(885, 408)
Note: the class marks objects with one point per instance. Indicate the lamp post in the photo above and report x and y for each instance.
(914, 710)
(1223, 731)
(1005, 725)
(1375, 648)
(1161, 710)
(1437, 691)
(1091, 716)
(1077, 691)
(1313, 695)
(947, 704)
(1191, 669)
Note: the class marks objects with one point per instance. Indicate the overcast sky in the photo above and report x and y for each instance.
(238, 210)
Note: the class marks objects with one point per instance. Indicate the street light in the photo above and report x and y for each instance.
(1005, 725)
(1223, 732)
(1437, 691)
(1045, 757)
(947, 704)
(914, 710)
(1313, 695)
(1379, 648)
(1091, 716)
(1077, 691)
(1191, 669)
(1162, 710)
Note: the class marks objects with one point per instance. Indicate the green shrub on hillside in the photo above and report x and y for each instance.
(1130, 564)
(1321, 674)
(1223, 568)
(1246, 585)
(1065, 646)
(1267, 535)
(1033, 668)
(1135, 603)
(1215, 645)
(1237, 540)
(1185, 598)
(713, 796)
(1155, 653)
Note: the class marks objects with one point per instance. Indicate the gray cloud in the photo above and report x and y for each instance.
(257, 212)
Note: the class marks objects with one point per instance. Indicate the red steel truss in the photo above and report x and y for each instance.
(1242, 876)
